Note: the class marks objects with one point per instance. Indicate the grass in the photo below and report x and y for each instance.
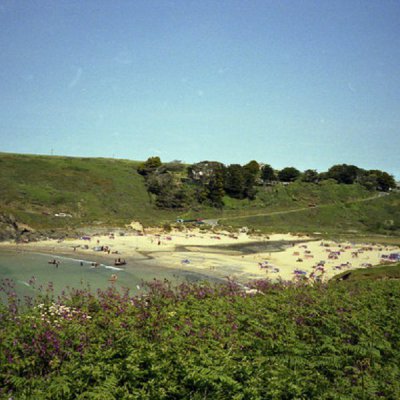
(351, 216)
(381, 272)
(92, 190)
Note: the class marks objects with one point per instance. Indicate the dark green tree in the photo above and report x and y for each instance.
(215, 190)
(203, 171)
(369, 181)
(384, 181)
(310, 176)
(288, 174)
(235, 181)
(158, 183)
(249, 190)
(253, 167)
(149, 166)
(172, 197)
(268, 174)
(344, 173)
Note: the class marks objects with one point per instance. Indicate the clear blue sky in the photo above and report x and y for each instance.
(307, 84)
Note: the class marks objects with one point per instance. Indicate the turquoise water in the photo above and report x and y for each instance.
(77, 273)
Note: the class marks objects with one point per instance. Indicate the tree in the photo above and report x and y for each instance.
(253, 167)
(172, 166)
(203, 171)
(249, 181)
(149, 166)
(344, 173)
(385, 181)
(310, 176)
(288, 174)
(158, 183)
(368, 180)
(234, 181)
(267, 174)
(216, 192)
(378, 180)
(171, 198)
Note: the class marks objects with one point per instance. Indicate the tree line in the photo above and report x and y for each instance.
(207, 182)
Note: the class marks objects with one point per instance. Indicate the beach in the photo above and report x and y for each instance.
(240, 256)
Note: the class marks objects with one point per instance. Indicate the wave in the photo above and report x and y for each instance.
(80, 261)
(111, 267)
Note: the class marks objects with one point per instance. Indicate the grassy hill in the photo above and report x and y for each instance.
(328, 208)
(380, 272)
(92, 190)
(373, 214)
(99, 191)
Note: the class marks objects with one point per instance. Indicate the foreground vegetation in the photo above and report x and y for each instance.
(288, 341)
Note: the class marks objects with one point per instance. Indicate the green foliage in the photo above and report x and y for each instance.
(172, 197)
(377, 180)
(234, 181)
(149, 166)
(334, 341)
(288, 174)
(253, 167)
(343, 173)
(310, 176)
(391, 271)
(215, 190)
(268, 174)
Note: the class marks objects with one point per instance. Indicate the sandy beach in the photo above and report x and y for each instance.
(239, 256)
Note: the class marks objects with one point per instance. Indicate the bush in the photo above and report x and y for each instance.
(205, 341)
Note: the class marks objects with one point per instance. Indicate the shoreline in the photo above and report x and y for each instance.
(218, 255)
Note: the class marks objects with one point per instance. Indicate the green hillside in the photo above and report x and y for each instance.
(104, 192)
(372, 214)
(327, 208)
(92, 190)
(380, 272)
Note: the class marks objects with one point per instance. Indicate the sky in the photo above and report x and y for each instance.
(308, 84)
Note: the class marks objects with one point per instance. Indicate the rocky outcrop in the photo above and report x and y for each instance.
(8, 227)
(11, 229)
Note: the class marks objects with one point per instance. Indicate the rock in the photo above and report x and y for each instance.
(22, 228)
(136, 226)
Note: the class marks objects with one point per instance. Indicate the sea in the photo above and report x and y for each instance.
(32, 273)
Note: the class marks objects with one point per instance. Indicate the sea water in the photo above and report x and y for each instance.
(76, 273)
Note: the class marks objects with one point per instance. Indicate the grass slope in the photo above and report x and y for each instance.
(92, 190)
(340, 208)
(381, 272)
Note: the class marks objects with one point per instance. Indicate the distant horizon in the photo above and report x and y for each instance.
(305, 84)
(319, 170)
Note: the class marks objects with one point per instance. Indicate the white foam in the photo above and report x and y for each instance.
(110, 267)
